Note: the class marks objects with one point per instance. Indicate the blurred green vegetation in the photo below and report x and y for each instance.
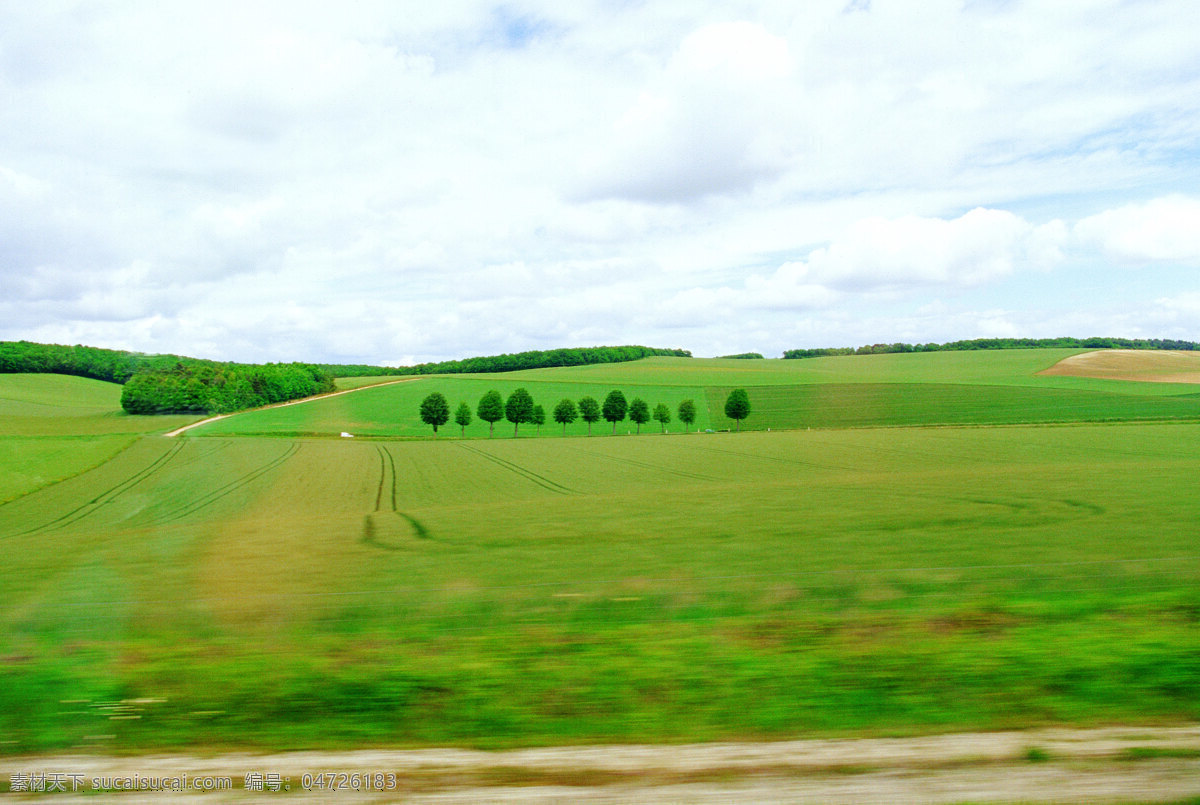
(283, 594)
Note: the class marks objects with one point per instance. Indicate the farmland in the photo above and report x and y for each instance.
(943, 388)
(265, 583)
(54, 426)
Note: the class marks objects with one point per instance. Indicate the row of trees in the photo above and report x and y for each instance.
(999, 343)
(520, 408)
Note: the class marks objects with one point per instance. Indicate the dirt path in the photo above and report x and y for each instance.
(1124, 764)
(178, 431)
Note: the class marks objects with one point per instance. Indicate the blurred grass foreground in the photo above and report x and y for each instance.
(284, 592)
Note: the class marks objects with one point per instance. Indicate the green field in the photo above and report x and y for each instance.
(391, 410)
(293, 590)
(939, 388)
(54, 426)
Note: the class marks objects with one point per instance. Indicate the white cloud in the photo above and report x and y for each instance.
(377, 182)
(877, 253)
(716, 120)
(739, 51)
(1162, 229)
(1175, 316)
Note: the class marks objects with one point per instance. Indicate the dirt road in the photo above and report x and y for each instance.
(1126, 764)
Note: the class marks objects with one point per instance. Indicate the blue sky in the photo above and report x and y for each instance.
(385, 183)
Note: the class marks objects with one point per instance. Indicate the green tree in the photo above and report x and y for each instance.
(519, 408)
(463, 417)
(687, 414)
(614, 408)
(538, 417)
(491, 409)
(662, 414)
(565, 413)
(589, 411)
(435, 410)
(639, 412)
(737, 406)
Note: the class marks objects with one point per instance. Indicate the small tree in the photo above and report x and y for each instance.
(737, 406)
(565, 413)
(614, 408)
(589, 411)
(639, 412)
(435, 410)
(662, 414)
(687, 414)
(491, 409)
(538, 417)
(519, 408)
(462, 417)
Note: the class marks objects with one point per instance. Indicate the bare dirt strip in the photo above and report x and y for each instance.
(1116, 764)
(178, 431)
(1153, 366)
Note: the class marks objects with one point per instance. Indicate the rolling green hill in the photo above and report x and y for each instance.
(54, 426)
(939, 388)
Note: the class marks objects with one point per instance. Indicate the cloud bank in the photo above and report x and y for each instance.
(385, 184)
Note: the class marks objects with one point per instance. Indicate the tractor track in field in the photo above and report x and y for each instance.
(107, 496)
(387, 469)
(193, 506)
(387, 462)
(528, 475)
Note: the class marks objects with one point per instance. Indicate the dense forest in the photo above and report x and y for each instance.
(219, 388)
(999, 343)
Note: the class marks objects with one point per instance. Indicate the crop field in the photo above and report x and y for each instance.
(391, 410)
(53, 426)
(941, 388)
(291, 590)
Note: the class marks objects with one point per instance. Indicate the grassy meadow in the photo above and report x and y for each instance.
(938, 388)
(261, 585)
(55, 426)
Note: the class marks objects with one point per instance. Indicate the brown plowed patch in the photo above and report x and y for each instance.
(1152, 366)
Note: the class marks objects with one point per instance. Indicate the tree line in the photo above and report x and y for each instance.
(161, 384)
(157, 384)
(114, 366)
(532, 359)
(520, 408)
(999, 343)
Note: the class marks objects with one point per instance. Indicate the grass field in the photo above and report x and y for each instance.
(287, 592)
(54, 426)
(392, 410)
(940, 388)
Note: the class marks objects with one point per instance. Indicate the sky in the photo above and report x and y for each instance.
(395, 182)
